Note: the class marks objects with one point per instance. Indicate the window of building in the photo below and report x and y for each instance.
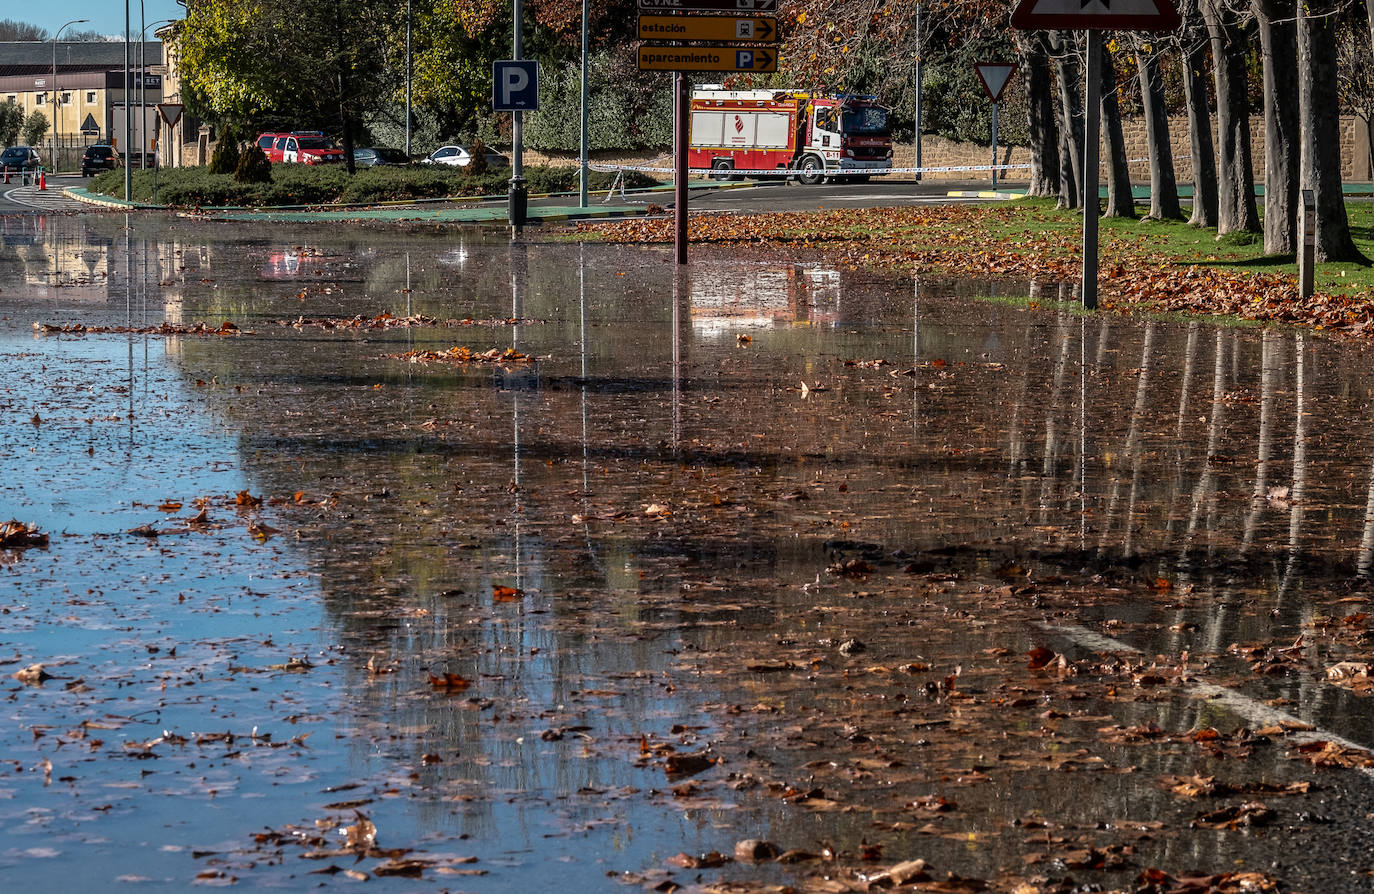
(11, 97)
(90, 96)
(40, 99)
(66, 99)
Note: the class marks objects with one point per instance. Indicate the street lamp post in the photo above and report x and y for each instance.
(128, 120)
(56, 94)
(408, 66)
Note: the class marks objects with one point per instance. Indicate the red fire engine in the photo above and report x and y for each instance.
(808, 135)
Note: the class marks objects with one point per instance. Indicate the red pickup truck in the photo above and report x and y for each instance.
(310, 147)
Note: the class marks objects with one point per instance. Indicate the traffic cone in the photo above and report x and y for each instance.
(42, 179)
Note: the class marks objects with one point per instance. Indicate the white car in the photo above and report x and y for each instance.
(460, 156)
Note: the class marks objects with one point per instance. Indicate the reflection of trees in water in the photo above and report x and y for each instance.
(1044, 434)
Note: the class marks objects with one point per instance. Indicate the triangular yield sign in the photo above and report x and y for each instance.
(1097, 15)
(994, 76)
(170, 112)
(89, 125)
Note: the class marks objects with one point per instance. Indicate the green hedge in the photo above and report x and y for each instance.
(309, 185)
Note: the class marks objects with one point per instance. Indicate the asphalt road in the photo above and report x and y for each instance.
(796, 197)
(17, 199)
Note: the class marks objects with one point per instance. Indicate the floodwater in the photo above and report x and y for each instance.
(869, 569)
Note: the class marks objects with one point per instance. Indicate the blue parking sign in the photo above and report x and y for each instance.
(515, 85)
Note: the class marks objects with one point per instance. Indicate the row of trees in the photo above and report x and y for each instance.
(341, 67)
(18, 129)
(1212, 52)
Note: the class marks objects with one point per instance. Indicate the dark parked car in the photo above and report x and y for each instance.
(20, 158)
(98, 158)
(373, 156)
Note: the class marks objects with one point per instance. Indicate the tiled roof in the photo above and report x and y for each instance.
(23, 56)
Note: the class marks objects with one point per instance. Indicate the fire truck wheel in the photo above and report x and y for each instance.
(724, 167)
(811, 170)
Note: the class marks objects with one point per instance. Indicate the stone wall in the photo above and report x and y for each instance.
(938, 152)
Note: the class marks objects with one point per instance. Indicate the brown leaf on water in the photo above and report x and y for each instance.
(17, 535)
(362, 835)
(448, 682)
(244, 498)
(687, 764)
(261, 531)
(169, 506)
(753, 850)
(32, 675)
(1040, 657)
(904, 873)
(1249, 815)
(709, 860)
(408, 868)
(506, 594)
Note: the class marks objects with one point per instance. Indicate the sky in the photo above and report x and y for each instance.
(106, 17)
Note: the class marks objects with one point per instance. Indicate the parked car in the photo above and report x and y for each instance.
(20, 158)
(99, 157)
(461, 157)
(309, 147)
(374, 156)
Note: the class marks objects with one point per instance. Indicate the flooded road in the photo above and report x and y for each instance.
(867, 569)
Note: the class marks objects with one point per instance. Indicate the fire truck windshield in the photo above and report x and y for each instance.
(864, 120)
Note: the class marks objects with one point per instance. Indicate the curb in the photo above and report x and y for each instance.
(984, 194)
(80, 194)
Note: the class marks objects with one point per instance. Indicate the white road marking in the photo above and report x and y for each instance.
(1252, 710)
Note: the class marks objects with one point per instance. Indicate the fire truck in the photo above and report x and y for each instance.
(812, 136)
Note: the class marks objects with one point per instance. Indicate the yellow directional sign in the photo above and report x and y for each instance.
(763, 29)
(657, 57)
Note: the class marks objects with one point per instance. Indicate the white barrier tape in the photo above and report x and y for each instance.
(792, 172)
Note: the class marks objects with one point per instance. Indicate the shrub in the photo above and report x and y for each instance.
(225, 160)
(477, 158)
(253, 166)
(293, 184)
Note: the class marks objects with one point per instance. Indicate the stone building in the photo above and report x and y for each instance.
(79, 87)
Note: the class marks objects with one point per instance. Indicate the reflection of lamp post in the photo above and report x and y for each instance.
(56, 96)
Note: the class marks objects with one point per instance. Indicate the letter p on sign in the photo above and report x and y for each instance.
(515, 85)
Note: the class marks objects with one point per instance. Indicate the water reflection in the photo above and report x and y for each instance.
(665, 488)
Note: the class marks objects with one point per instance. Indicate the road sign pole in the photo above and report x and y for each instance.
(994, 145)
(1092, 102)
(517, 201)
(681, 104)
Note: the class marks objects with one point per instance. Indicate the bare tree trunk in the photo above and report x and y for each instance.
(1279, 40)
(1319, 124)
(1068, 74)
(345, 117)
(1163, 186)
(1044, 133)
(1120, 200)
(1236, 209)
(1193, 46)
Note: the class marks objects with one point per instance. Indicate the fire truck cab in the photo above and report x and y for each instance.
(811, 136)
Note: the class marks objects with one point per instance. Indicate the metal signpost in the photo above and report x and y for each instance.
(1094, 16)
(515, 89)
(662, 57)
(701, 43)
(995, 76)
(707, 5)
(724, 28)
(170, 113)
